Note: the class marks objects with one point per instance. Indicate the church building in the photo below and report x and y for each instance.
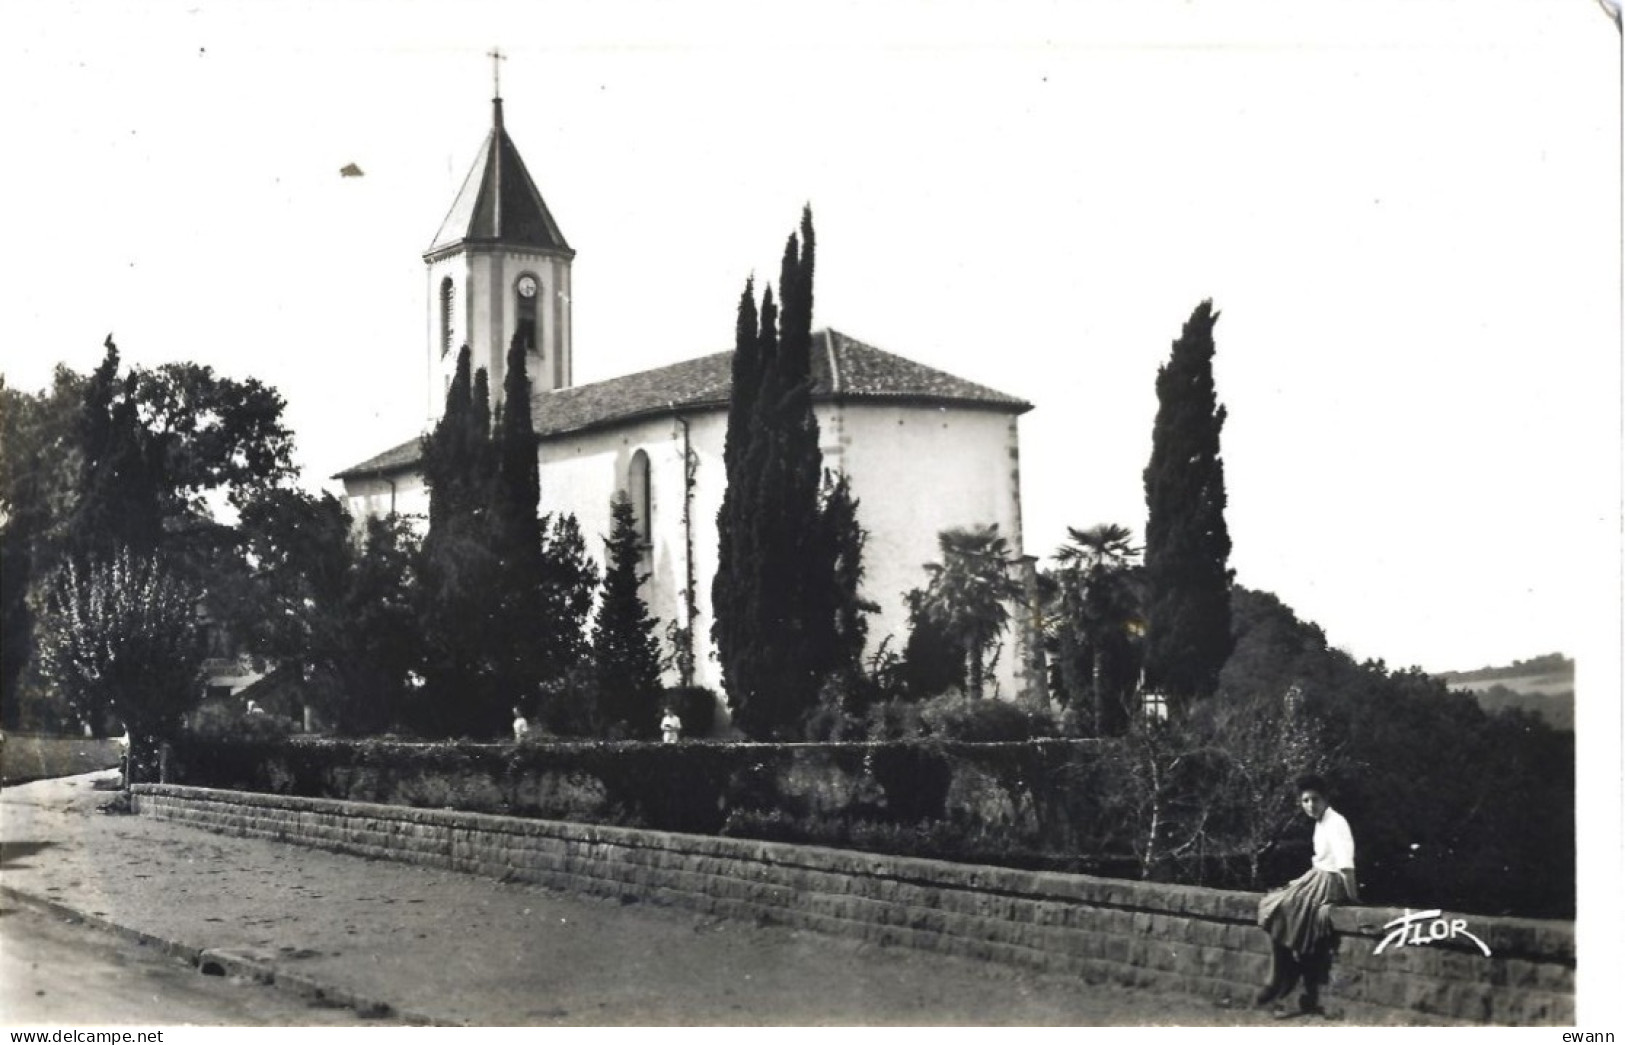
(924, 450)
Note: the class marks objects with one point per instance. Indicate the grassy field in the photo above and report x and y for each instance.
(28, 757)
(1545, 687)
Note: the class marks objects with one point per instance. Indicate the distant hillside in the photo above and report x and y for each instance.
(1543, 685)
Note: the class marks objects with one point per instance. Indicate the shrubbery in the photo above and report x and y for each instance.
(954, 716)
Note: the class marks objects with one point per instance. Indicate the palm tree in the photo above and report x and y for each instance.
(1098, 595)
(968, 591)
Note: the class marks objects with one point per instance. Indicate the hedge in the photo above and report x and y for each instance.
(1009, 795)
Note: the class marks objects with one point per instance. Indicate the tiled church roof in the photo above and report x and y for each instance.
(843, 368)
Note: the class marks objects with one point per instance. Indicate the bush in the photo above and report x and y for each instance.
(895, 719)
(954, 716)
(564, 706)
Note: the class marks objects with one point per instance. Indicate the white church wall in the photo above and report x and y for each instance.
(580, 473)
(916, 471)
(404, 494)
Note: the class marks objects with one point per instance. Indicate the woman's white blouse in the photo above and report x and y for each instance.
(1334, 843)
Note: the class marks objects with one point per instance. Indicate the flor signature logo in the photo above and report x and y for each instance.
(1421, 927)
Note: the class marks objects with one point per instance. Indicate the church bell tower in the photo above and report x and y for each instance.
(499, 266)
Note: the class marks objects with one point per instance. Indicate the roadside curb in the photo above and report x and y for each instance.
(228, 962)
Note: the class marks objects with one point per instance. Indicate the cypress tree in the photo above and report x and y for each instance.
(625, 648)
(729, 626)
(569, 578)
(481, 475)
(777, 601)
(1187, 545)
(445, 459)
(755, 663)
(516, 535)
(844, 611)
(802, 549)
(458, 568)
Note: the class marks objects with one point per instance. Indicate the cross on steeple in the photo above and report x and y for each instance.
(497, 58)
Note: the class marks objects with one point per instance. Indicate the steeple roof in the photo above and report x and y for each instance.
(499, 204)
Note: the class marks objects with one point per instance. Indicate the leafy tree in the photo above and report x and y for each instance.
(968, 593)
(1268, 740)
(1099, 610)
(122, 635)
(1187, 545)
(1165, 779)
(125, 460)
(155, 444)
(38, 467)
(330, 603)
(1448, 803)
(625, 645)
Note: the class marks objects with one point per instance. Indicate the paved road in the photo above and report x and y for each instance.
(54, 971)
(460, 949)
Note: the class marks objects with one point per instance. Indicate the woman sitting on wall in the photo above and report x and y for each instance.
(1298, 915)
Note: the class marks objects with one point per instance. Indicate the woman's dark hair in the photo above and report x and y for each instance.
(1312, 782)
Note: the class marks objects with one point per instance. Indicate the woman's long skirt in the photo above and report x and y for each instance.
(1298, 915)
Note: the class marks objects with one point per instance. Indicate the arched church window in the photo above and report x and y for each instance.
(526, 291)
(640, 489)
(448, 303)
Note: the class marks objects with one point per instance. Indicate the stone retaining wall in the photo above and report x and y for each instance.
(1175, 938)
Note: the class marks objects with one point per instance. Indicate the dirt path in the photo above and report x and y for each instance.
(51, 968)
(460, 949)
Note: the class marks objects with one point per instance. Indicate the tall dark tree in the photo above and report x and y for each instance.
(847, 610)
(732, 589)
(625, 646)
(446, 456)
(516, 535)
(1187, 545)
(458, 571)
(569, 579)
(933, 660)
(773, 616)
(118, 498)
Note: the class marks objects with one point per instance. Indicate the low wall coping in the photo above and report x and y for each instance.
(1537, 939)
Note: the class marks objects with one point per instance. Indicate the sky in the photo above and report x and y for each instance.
(1407, 214)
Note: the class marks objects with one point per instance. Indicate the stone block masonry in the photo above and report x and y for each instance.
(1171, 938)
